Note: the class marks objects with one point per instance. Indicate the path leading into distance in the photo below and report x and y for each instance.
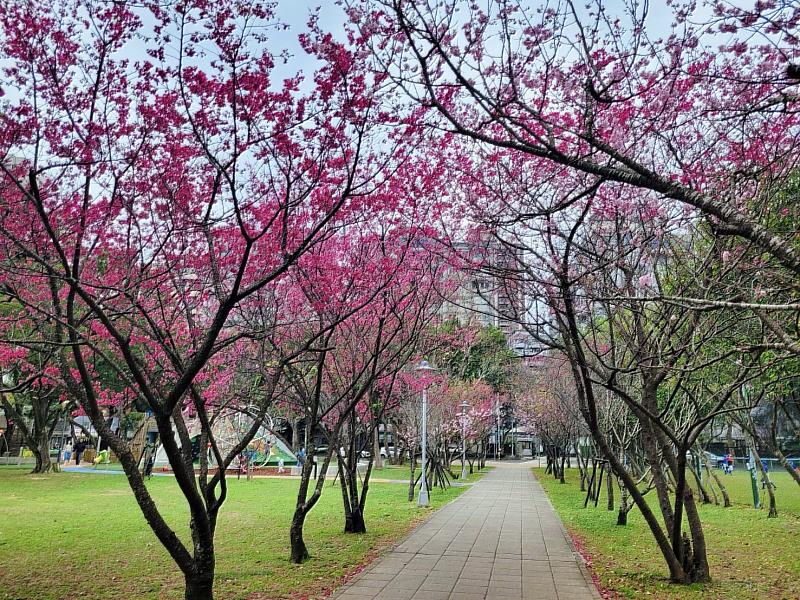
(500, 540)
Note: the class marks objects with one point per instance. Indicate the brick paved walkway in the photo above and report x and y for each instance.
(500, 540)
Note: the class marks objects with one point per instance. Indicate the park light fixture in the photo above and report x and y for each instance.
(463, 415)
(422, 500)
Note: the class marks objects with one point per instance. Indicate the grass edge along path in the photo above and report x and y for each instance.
(750, 555)
(73, 535)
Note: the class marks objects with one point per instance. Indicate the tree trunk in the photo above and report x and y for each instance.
(304, 504)
(785, 463)
(354, 523)
(706, 498)
(699, 571)
(766, 482)
(677, 573)
(299, 550)
(352, 500)
(650, 447)
(710, 486)
(610, 489)
(411, 480)
(42, 453)
(624, 508)
(376, 448)
(199, 586)
(582, 465)
(712, 472)
(296, 436)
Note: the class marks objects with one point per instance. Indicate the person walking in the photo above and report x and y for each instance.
(79, 449)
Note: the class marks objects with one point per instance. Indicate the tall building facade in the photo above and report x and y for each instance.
(488, 292)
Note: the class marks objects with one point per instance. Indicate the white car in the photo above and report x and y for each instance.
(367, 453)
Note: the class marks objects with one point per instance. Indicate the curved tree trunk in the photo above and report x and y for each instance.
(304, 504)
(299, 551)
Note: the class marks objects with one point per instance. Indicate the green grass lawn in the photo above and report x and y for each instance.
(750, 555)
(390, 471)
(73, 535)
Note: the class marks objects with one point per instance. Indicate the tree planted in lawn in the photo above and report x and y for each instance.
(157, 178)
(366, 299)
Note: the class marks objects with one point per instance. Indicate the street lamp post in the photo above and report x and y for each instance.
(497, 431)
(513, 435)
(422, 500)
(463, 415)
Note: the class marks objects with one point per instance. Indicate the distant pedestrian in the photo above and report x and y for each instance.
(79, 449)
(301, 457)
(280, 465)
(67, 452)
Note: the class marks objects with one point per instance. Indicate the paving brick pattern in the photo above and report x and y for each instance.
(500, 540)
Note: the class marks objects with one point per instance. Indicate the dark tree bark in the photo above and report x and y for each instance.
(304, 504)
(624, 505)
(38, 431)
(199, 586)
(411, 480)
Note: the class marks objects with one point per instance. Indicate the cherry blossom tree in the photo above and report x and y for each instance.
(32, 397)
(472, 409)
(549, 406)
(678, 113)
(600, 153)
(376, 299)
(158, 178)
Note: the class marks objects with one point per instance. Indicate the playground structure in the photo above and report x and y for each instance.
(229, 427)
